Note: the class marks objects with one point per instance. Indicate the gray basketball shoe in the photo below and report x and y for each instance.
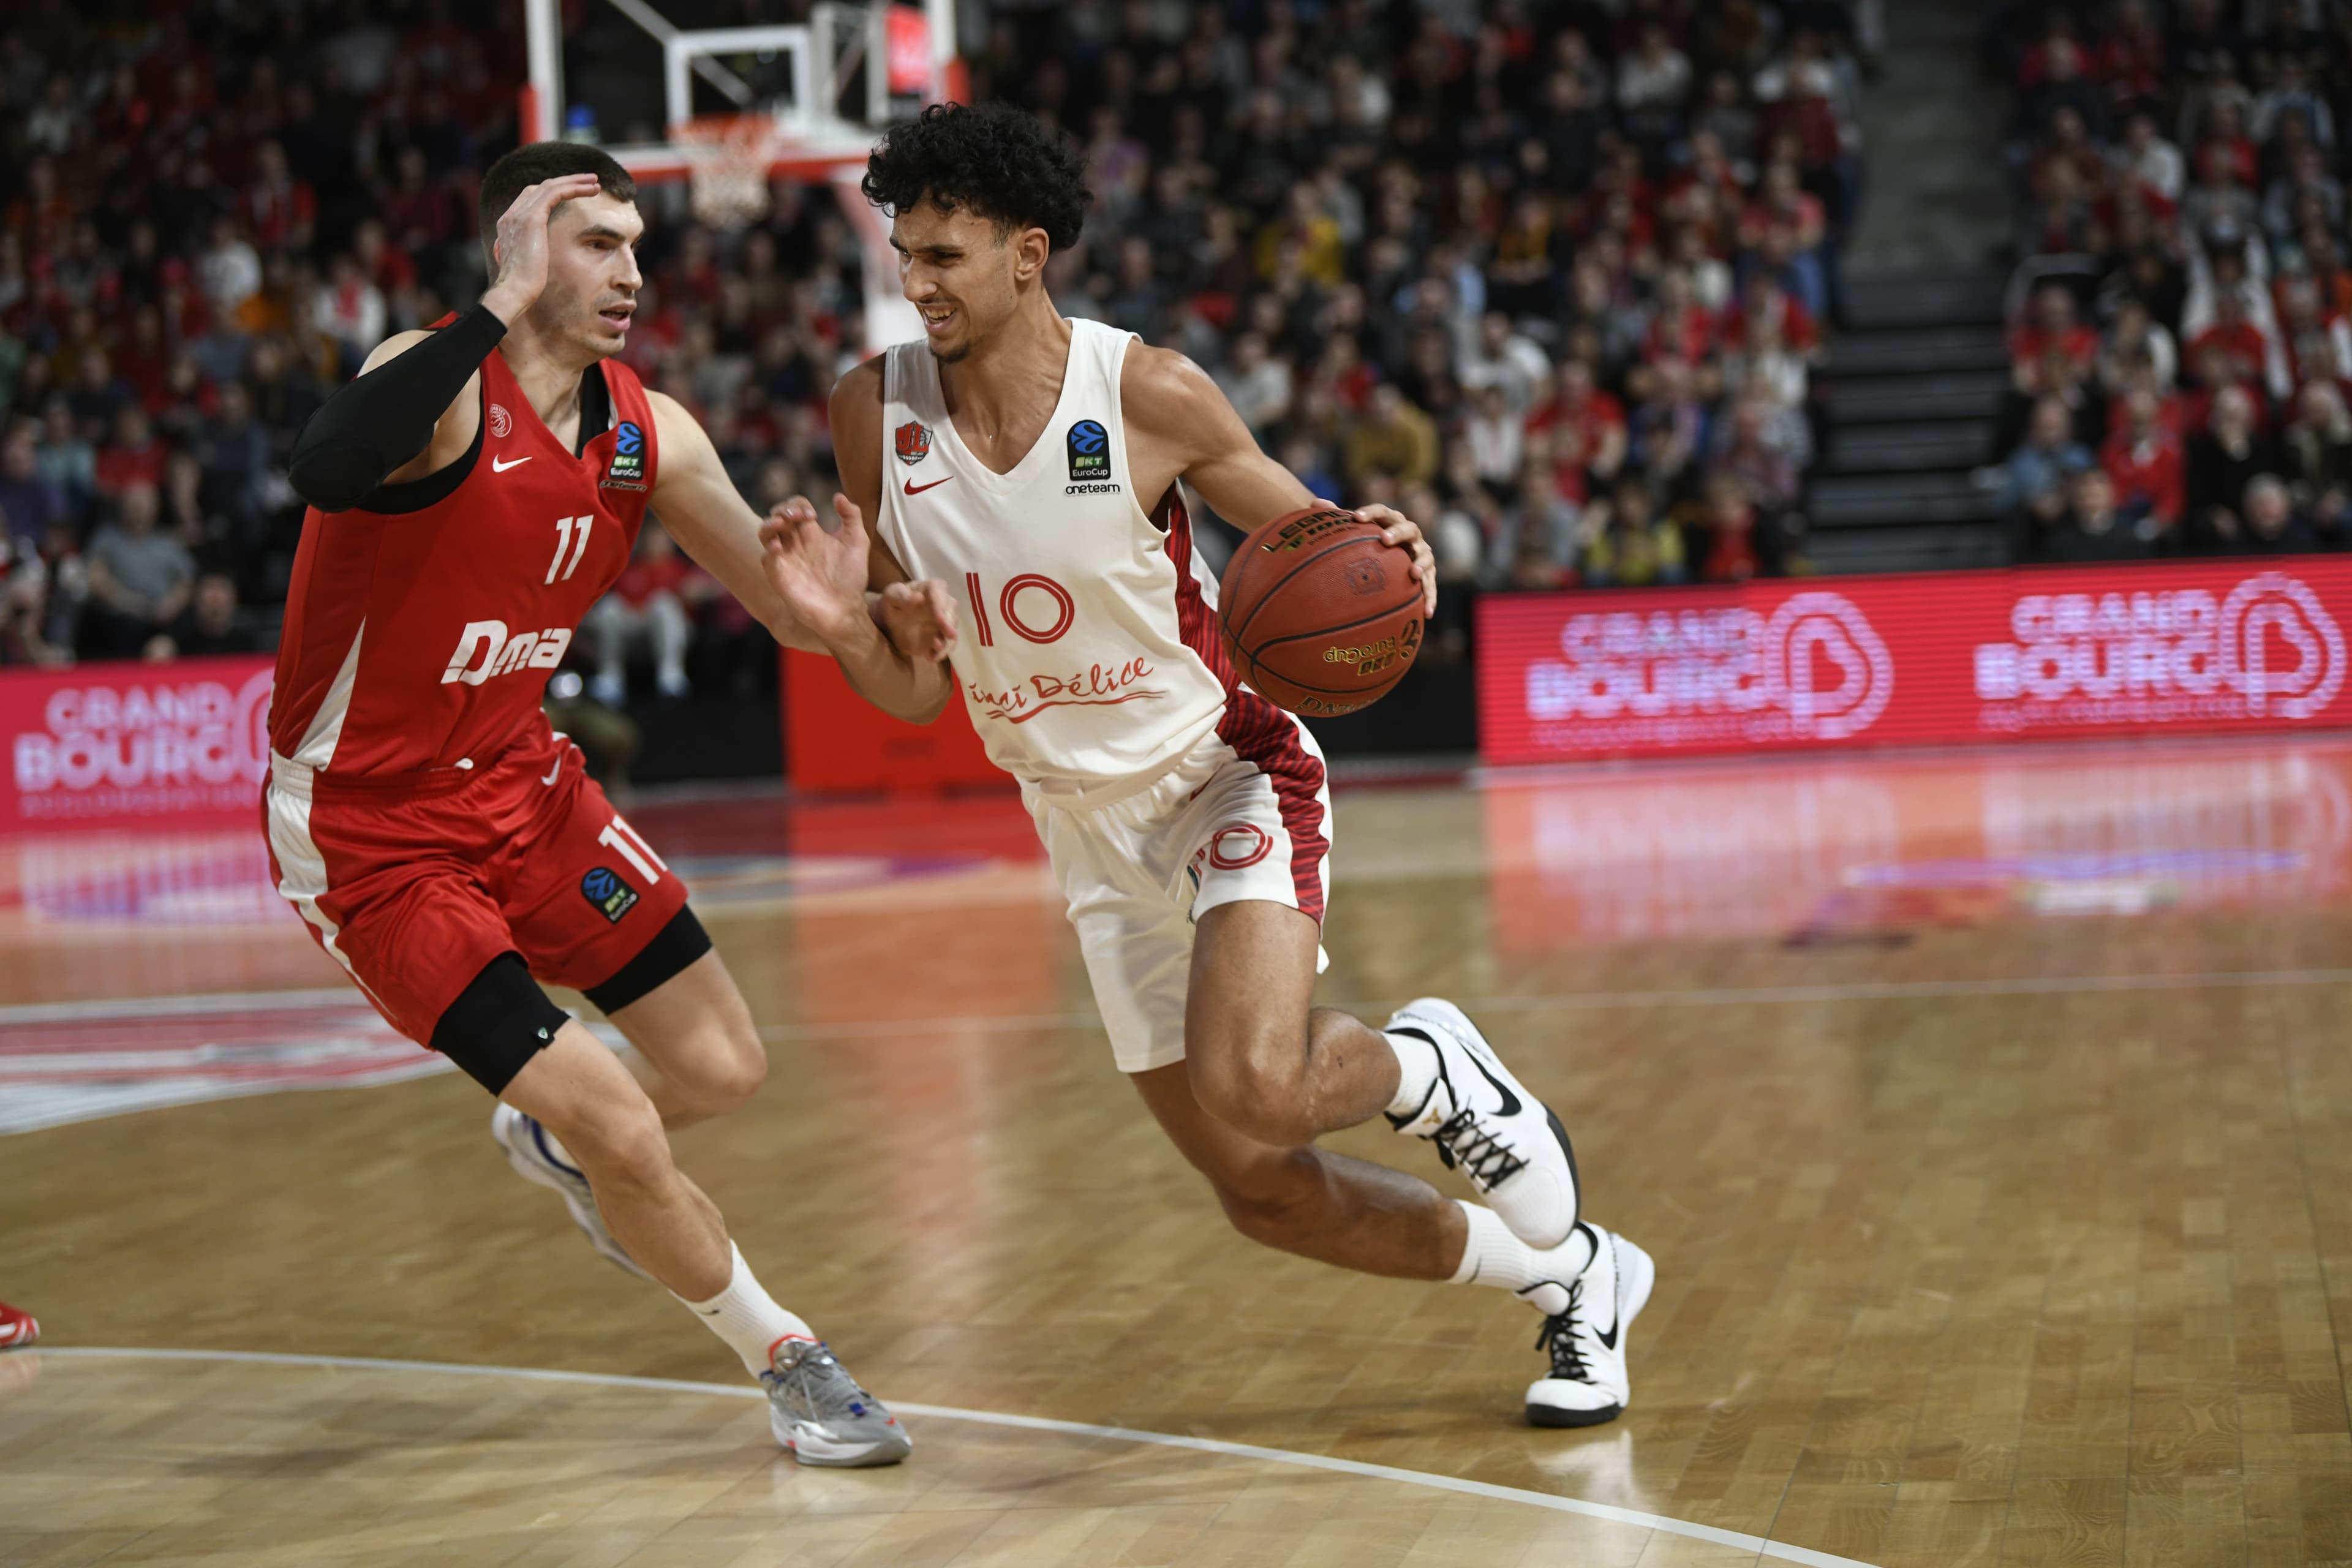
(816, 1410)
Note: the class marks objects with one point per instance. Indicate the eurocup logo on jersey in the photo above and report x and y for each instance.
(1089, 449)
(2266, 649)
(914, 442)
(1814, 669)
(628, 469)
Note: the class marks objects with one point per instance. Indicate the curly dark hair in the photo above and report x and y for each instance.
(992, 160)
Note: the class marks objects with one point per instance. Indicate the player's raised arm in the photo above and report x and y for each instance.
(410, 412)
(1181, 427)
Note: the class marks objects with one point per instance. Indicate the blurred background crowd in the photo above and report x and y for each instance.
(2180, 352)
(1552, 276)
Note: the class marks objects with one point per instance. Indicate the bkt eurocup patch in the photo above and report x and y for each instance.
(628, 469)
(914, 440)
(603, 887)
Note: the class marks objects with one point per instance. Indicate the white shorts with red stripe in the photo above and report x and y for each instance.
(1246, 815)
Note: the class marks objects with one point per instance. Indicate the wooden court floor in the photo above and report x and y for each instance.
(1989, 1119)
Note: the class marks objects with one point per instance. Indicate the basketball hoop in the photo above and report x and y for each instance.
(728, 159)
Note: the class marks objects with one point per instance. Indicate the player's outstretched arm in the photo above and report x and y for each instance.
(412, 410)
(712, 524)
(1179, 426)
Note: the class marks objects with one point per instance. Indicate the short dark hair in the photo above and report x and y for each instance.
(533, 161)
(993, 160)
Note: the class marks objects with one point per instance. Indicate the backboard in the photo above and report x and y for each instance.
(718, 112)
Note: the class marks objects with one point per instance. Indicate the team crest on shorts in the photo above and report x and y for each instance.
(914, 438)
(603, 887)
(628, 469)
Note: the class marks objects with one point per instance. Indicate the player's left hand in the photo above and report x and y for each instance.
(820, 576)
(1404, 533)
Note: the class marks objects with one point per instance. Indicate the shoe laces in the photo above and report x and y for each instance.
(1561, 1335)
(1483, 1158)
(822, 1386)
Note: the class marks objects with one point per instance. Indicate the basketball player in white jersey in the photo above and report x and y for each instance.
(1036, 461)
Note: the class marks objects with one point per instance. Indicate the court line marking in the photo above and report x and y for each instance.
(1565, 1001)
(1615, 1515)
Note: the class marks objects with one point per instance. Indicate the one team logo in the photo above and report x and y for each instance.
(502, 422)
(613, 898)
(1089, 451)
(914, 442)
(628, 469)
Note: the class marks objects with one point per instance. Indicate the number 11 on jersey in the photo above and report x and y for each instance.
(570, 538)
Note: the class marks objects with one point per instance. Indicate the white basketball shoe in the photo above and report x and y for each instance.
(1588, 1385)
(1487, 1126)
(532, 1154)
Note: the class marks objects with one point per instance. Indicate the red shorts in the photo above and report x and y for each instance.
(414, 885)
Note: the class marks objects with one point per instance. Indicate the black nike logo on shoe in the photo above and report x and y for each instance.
(1609, 1339)
(1511, 1106)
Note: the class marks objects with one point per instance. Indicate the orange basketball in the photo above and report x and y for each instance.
(1321, 614)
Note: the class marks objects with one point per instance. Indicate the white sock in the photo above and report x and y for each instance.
(1493, 1256)
(747, 1317)
(1416, 1072)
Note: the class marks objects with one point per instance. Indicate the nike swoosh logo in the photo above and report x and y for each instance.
(1511, 1106)
(499, 467)
(553, 772)
(915, 489)
(1609, 1339)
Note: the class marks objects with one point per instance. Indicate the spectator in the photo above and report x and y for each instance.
(1737, 548)
(1628, 545)
(2034, 480)
(2093, 528)
(1504, 358)
(647, 605)
(2135, 336)
(2148, 165)
(1541, 532)
(30, 499)
(351, 309)
(211, 624)
(2274, 525)
(1393, 438)
(140, 579)
(133, 457)
(2145, 463)
(2315, 458)
(2222, 460)
(1257, 384)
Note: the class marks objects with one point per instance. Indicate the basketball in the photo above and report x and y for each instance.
(1322, 615)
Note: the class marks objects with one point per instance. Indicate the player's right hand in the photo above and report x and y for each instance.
(520, 247)
(820, 576)
(919, 618)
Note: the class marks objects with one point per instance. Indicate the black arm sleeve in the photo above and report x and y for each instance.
(385, 418)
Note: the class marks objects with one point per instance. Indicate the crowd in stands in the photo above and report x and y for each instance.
(2180, 352)
(1551, 276)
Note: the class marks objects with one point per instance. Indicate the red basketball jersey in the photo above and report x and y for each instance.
(423, 638)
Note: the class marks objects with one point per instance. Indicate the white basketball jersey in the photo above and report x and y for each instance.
(1089, 651)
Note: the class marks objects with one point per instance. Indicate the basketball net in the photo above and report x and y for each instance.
(728, 159)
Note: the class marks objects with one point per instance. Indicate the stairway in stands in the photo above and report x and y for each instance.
(1915, 375)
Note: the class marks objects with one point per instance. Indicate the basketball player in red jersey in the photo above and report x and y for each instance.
(473, 492)
(1186, 817)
